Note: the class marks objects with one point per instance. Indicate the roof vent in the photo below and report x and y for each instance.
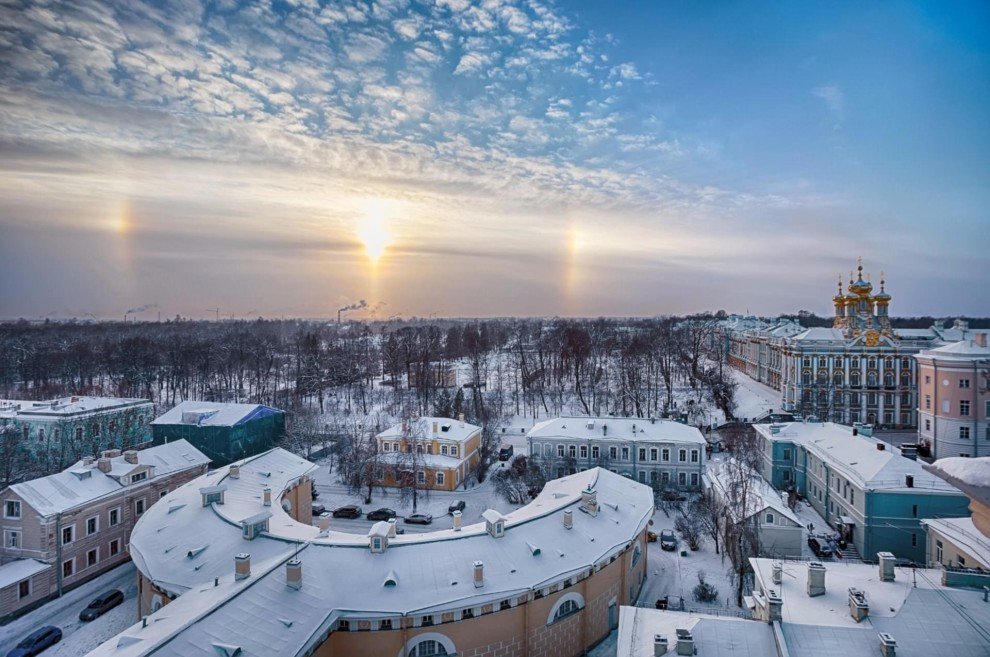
(227, 650)
(888, 647)
(127, 640)
(909, 481)
(589, 501)
(242, 566)
(457, 521)
(391, 579)
(591, 424)
(234, 471)
(568, 519)
(82, 474)
(266, 496)
(532, 548)
(685, 642)
(293, 573)
(886, 561)
(660, 645)
(195, 552)
(859, 608)
(816, 579)
(391, 527)
(881, 447)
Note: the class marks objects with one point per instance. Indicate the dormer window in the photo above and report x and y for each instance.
(253, 526)
(139, 476)
(494, 523)
(212, 494)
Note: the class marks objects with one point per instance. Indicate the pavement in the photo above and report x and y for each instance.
(78, 637)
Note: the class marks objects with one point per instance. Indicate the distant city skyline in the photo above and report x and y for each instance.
(495, 158)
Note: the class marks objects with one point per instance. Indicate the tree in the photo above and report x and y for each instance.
(688, 530)
(707, 515)
(703, 591)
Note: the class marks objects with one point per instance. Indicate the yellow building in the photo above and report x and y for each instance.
(436, 452)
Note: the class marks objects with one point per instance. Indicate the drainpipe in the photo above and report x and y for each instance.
(58, 554)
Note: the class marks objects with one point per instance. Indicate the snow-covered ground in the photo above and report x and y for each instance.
(752, 397)
(78, 638)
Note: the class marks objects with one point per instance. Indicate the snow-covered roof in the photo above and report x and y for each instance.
(423, 428)
(438, 461)
(959, 350)
(212, 414)
(429, 572)
(19, 570)
(713, 636)
(857, 457)
(619, 429)
(821, 334)
(972, 476)
(761, 495)
(64, 407)
(963, 533)
(79, 484)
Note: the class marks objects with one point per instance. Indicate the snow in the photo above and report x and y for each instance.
(963, 533)
(753, 398)
(19, 569)
(220, 415)
(79, 637)
(620, 429)
(714, 636)
(974, 472)
(446, 429)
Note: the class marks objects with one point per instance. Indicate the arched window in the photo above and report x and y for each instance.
(566, 605)
(871, 379)
(888, 378)
(854, 379)
(428, 648)
(837, 378)
(428, 645)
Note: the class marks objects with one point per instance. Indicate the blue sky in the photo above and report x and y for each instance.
(490, 158)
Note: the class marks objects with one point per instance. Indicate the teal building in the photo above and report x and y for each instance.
(224, 432)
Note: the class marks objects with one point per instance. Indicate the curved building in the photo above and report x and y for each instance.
(230, 564)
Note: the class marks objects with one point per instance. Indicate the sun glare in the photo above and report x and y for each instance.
(373, 229)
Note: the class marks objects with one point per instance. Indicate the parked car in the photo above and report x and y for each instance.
(673, 496)
(456, 506)
(37, 641)
(319, 509)
(101, 605)
(381, 514)
(419, 519)
(505, 453)
(819, 546)
(651, 536)
(349, 511)
(668, 540)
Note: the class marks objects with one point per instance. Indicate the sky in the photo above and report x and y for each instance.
(491, 158)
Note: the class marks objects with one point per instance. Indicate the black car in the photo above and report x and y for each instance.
(819, 546)
(37, 641)
(381, 514)
(318, 509)
(101, 605)
(419, 519)
(349, 511)
(505, 453)
(456, 506)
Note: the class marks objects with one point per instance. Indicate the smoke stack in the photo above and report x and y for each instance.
(568, 519)
(391, 528)
(660, 645)
(267, 496)
(816, 579)
(457, 521)
(130, 456)
(242, 566)
(325, 524)
(479, 574)
(293, 573)
(103, 464)
(234, 471)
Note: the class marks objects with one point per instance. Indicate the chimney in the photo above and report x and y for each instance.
(855, 431)
(660, 645)
(130, 456)
(267, 496)
(887, 561)
(816, 579)
(881, 447)
(980, 339)
(234, 471)
(457, 521)
(242, 566)
(775, 605)
(293, 573)
(568, 519)
(436, 428)
(909, 481)
(858, 607)
(111, 453)
(325, 523)
(104, 464)
(778, 569)
(460, 418)
(391, 528)
(479, 574)
(589, 501)
(685, 642)
(909, 452)
(888, 647)
(88, 461)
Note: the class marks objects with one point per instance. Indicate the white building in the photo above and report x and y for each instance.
(651, 451)
(963, 544)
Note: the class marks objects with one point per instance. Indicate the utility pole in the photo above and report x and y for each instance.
(215, 310)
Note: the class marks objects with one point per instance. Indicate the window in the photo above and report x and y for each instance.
(95, 429)
(92, 557)
(928, 425)
(963, 383)
(694, 456)
(387, 447)
(440, 479)
(938, 551)
(654, 454)
(12, 509)
(114, 547)
(41, 435)
(682, 455)
(427, 620)
(566, 609)
(682, 478)
(694, 478)
(68, 567)
(852, 496)
(113, 516)
(665, 454)
(642, 476)
(560, 450)
(584, 451)
(344, 625)
(68, 533)
(420, 477)
(79, 433)
(24, 589)
(964, 407)
(13, 539)
(443, 450)
(787, 454)
(92, 525)
(572, 451)
(385, 624)
(962, 560)
(162, 493)
(928, 402)
(139, 506)
(595, 452)
(914, 510)
(428, 648)
(769, 519)
(453, 450)
(914, 540)
(613, 452)
(928, 379)
(625, 453)
(642, 453)
(964, 433)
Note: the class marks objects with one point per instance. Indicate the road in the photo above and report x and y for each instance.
(78, 638)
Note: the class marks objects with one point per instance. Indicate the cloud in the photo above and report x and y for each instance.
(833, 97)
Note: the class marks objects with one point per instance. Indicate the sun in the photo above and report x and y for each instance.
(373, 229)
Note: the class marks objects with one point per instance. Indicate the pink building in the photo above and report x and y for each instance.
(954, 398)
